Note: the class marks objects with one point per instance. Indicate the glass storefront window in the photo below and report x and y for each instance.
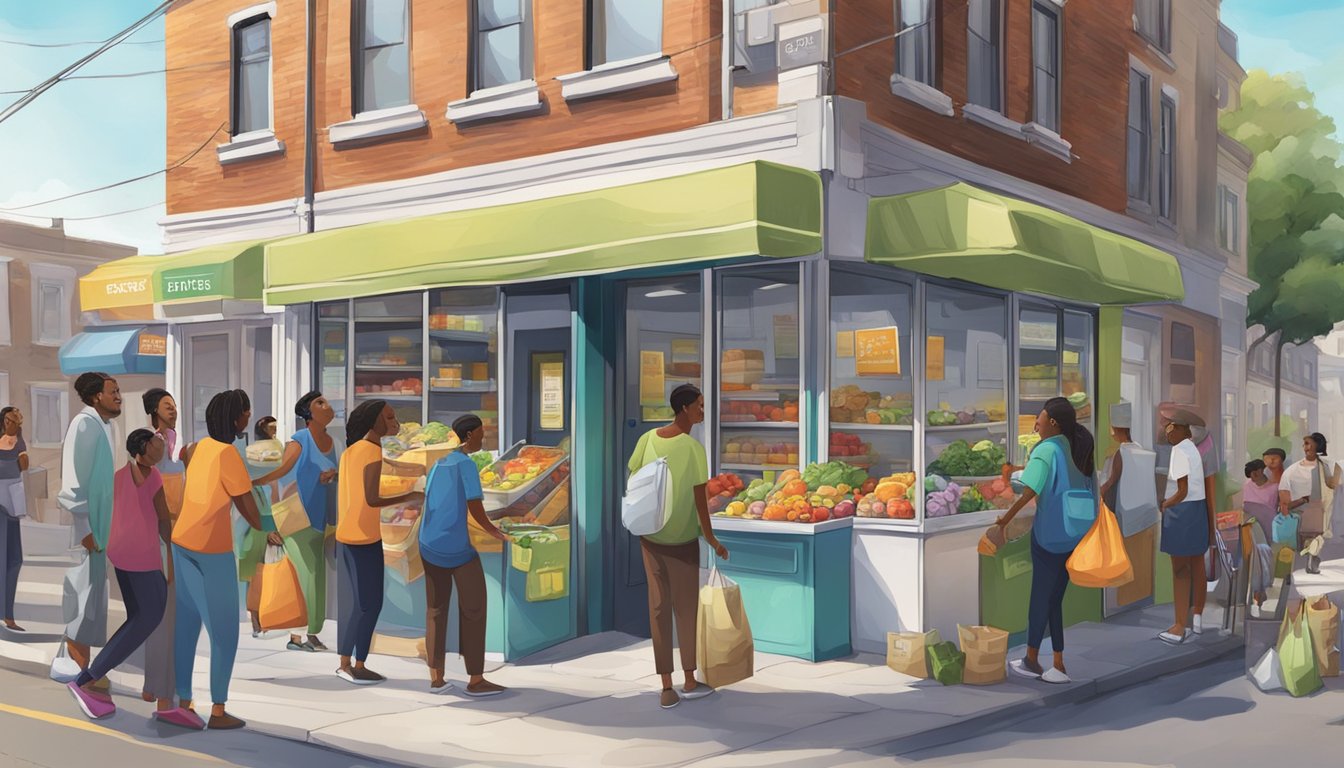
(333, 329)
(759, 370)
(389, 354)
(464, 357)
(966, 383)
(663, 349)
(1038, 371)
(871, 393)
(1076, 371)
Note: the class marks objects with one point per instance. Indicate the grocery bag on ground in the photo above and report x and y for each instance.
(946, 663)
(1297, 659)
(1283, 560)
(906, 652)
(289, 515)
(1266, 673)
(1100, 559)
(282, 605)
(1323, 620)
(63, 668)
(724, 650)
(1285, 530)
(986, 652)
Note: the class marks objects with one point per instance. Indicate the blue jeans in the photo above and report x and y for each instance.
(145, 594)
(360, 597)
(207, 592)
(1049, 579)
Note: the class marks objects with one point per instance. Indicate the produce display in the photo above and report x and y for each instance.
(482, 459)
(760, 452)
(944, 416)
(265, 452)
(851, 405)
(530, 463)
(850, 447)
(818, 493)
(401, 514)
(961, 459)
(1029, 441)
(413, 436)
(394, 485)
(889, 497)
(997, 493)
(783, 411)
(722, 490)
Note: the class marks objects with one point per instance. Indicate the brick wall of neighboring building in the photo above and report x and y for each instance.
(1094, 82)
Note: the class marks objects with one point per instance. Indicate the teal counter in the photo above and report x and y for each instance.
(795, 582)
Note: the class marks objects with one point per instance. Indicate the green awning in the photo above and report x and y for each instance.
(229, 271)
(965, 233)
(753, 209)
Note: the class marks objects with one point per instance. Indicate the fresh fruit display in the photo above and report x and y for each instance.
(722, 490)
(851, 405)
(265, 452)
(998, 493)
(833, 473)
(757, 491)
(845, 445)
(532, 461)
(760, 452)
(413, 435)
(483, 459)
(961, 459)
(819, 493)
(782, 411)
(1028, 441)
(971, 501)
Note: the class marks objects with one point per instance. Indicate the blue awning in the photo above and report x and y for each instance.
(115, 351)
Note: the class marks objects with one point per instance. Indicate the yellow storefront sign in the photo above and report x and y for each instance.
(877, 352)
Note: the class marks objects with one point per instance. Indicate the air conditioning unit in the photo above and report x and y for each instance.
(755, 32)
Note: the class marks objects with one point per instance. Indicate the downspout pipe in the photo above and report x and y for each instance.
(309, 118)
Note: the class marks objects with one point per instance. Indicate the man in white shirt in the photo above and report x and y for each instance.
(1187, 526)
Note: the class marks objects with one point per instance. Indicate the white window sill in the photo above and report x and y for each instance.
(501, 101)
(617, 77)
(925, 96)
(1162, 56)
(1049, 141)
(992, 119)
(377, 124)
(249, 146)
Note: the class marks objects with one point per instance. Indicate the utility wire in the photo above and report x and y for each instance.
(116, 39)
(86, 218)
(27, 44)
(120, 75)
(124, 182)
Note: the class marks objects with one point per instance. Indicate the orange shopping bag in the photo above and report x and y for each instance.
(281, 605)
(1100, 559)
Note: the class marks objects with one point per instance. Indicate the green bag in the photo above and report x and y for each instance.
(946, 663)
(1297, 659)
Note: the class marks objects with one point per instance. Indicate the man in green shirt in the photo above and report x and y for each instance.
(672, 555)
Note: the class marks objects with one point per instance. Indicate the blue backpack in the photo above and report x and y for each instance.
(1059, 530)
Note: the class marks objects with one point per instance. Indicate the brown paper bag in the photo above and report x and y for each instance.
(1323, 619)
(1142, 549)
(986, 650)
(906, 652)
(724, 649)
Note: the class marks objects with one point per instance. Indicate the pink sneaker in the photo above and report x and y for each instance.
(182, 718)
(94, 707)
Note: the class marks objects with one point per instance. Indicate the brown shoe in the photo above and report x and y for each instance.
(484, 688)
(225, 722)
(668, 699)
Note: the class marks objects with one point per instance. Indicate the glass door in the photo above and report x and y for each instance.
(389, 353)
(333, 344)
(464, 358)
(210, 355)
(1038, 370)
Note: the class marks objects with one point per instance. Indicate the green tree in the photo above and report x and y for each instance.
(1295, 213)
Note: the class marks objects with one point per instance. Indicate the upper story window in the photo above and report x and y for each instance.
(626, 29)
(6, 333)
(50, 409)
(984, 82)
(1154, 22)
(53, 288)
(915, 41)
(503, 52)
(1045, 63)
(1166, 159)
(1229, 220)
(252, 75)
(1139, 136)
(382, 56)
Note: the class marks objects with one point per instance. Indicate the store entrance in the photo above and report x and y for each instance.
(661, 348)
(209, 356)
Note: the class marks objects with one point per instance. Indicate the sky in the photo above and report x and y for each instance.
(87, 133)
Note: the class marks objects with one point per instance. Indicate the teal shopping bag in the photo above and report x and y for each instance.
(1297, 660)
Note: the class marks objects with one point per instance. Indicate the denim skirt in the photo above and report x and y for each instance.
(1185, 529)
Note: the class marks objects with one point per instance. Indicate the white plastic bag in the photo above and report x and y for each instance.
(647, 499)
(63, 668)
(1266, 673)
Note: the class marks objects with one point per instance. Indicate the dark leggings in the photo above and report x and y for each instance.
(360, 598)
(145, 594)
(12, 552)
(1049, 579)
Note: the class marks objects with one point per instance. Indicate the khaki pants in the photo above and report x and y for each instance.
(470, 579)
(673, 573)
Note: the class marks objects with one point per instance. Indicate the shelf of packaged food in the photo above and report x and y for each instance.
(754, 396)
(865, 427)
(470, 337)
(757, 467)
(758, 424)
(482, 389)
(991, 426)
(389, 320)
(388, 368)
(674, 377)
(388, 396)
(746, 525)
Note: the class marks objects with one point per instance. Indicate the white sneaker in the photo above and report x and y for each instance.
(1020, 668)
(700, 692)
(1056, 677)
(1199, 624)
(439, 690)
(1171, 639)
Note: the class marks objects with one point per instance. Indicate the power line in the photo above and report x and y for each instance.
(86, 218)
(74, 44)
(54, 79)
(120, 75)
(124, 182)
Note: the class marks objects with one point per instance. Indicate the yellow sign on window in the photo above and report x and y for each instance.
(877, 352)
(652, 378)
(153, 344)
(933, 359)
(844, 344)
(553, 395)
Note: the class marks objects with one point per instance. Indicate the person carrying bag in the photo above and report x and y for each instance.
(724, 649)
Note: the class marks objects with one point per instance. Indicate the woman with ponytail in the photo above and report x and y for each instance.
(1061, 463)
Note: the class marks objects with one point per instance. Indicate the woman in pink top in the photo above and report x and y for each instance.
(139, 522)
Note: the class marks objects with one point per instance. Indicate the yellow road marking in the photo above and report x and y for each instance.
(86, 726)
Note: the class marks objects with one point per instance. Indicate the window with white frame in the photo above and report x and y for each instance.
(1154, 22)
(252, 75)
(382, 56)
(53, 289)
(50, 413)
(1166, 159)
(1139, 137)
(1229, 429)
(984, 83)
(625, 29)
(503, 43)
(6, 330)
(916, 50)
(1229, 220)
(4, 389)
(1045, 64)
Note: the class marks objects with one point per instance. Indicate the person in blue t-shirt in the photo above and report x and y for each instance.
(452, 492)
(1060, 463)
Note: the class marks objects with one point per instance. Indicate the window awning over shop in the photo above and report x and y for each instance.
(753, 209)
(115, 351)
(130, 288)
(964, 233)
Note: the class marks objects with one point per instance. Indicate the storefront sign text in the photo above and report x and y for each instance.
(652, 378)
(933, 359)
(878, 352)
(191, 284)
(153, 344)
(117, 292)
(786, 336)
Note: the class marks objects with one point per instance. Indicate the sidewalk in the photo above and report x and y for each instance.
(592, 700)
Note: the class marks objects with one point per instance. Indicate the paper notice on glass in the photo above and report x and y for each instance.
(844, 344)
(933, 359)
(652, 378)
(786, 336)
(333, 383)
(877, 352)
(685, 350)
(552, 395)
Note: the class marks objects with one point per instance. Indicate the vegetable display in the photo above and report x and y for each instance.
(413, 435)
(821, 492)
(833, 473)
(961, 459)
(483, 460)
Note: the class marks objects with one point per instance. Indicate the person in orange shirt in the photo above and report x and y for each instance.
(203, 559)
